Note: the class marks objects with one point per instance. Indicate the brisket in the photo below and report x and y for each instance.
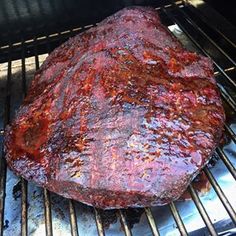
(118, 116)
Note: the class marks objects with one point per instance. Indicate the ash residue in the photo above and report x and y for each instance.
(6, 225)
(213, 160)
(134, 215)
(16, 191)
(110, 216)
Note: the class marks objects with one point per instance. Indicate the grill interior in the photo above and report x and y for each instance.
(26, 209)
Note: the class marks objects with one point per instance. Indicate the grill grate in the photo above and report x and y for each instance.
(198, 33)
(202, 210)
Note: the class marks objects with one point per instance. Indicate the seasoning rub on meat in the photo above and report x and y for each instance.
(118, 116)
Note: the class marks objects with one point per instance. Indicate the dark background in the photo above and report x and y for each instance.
(225, 8)
(25, 19)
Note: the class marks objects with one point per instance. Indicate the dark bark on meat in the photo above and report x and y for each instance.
(120, 115)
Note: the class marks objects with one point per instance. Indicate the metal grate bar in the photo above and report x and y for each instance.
(202, 210)
(2, 192)
(205, 35)
(2, 160)
(48, 216)
(178, 219)
(73, 222)
(59, 35)
(99, 222)
(8, 95)
(36, 58)
(48, 44)
(229, 100)
(46, 194)
(221, 70)
(24, 222)
(227, 162)
(226, 70)
(24, 90)
(124, 223)
(174, 19)
(41, 40)
(230, 132)
(151, 221)
(221, 195)
(233, 107)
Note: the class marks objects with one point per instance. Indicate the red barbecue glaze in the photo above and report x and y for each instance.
(118, 116)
